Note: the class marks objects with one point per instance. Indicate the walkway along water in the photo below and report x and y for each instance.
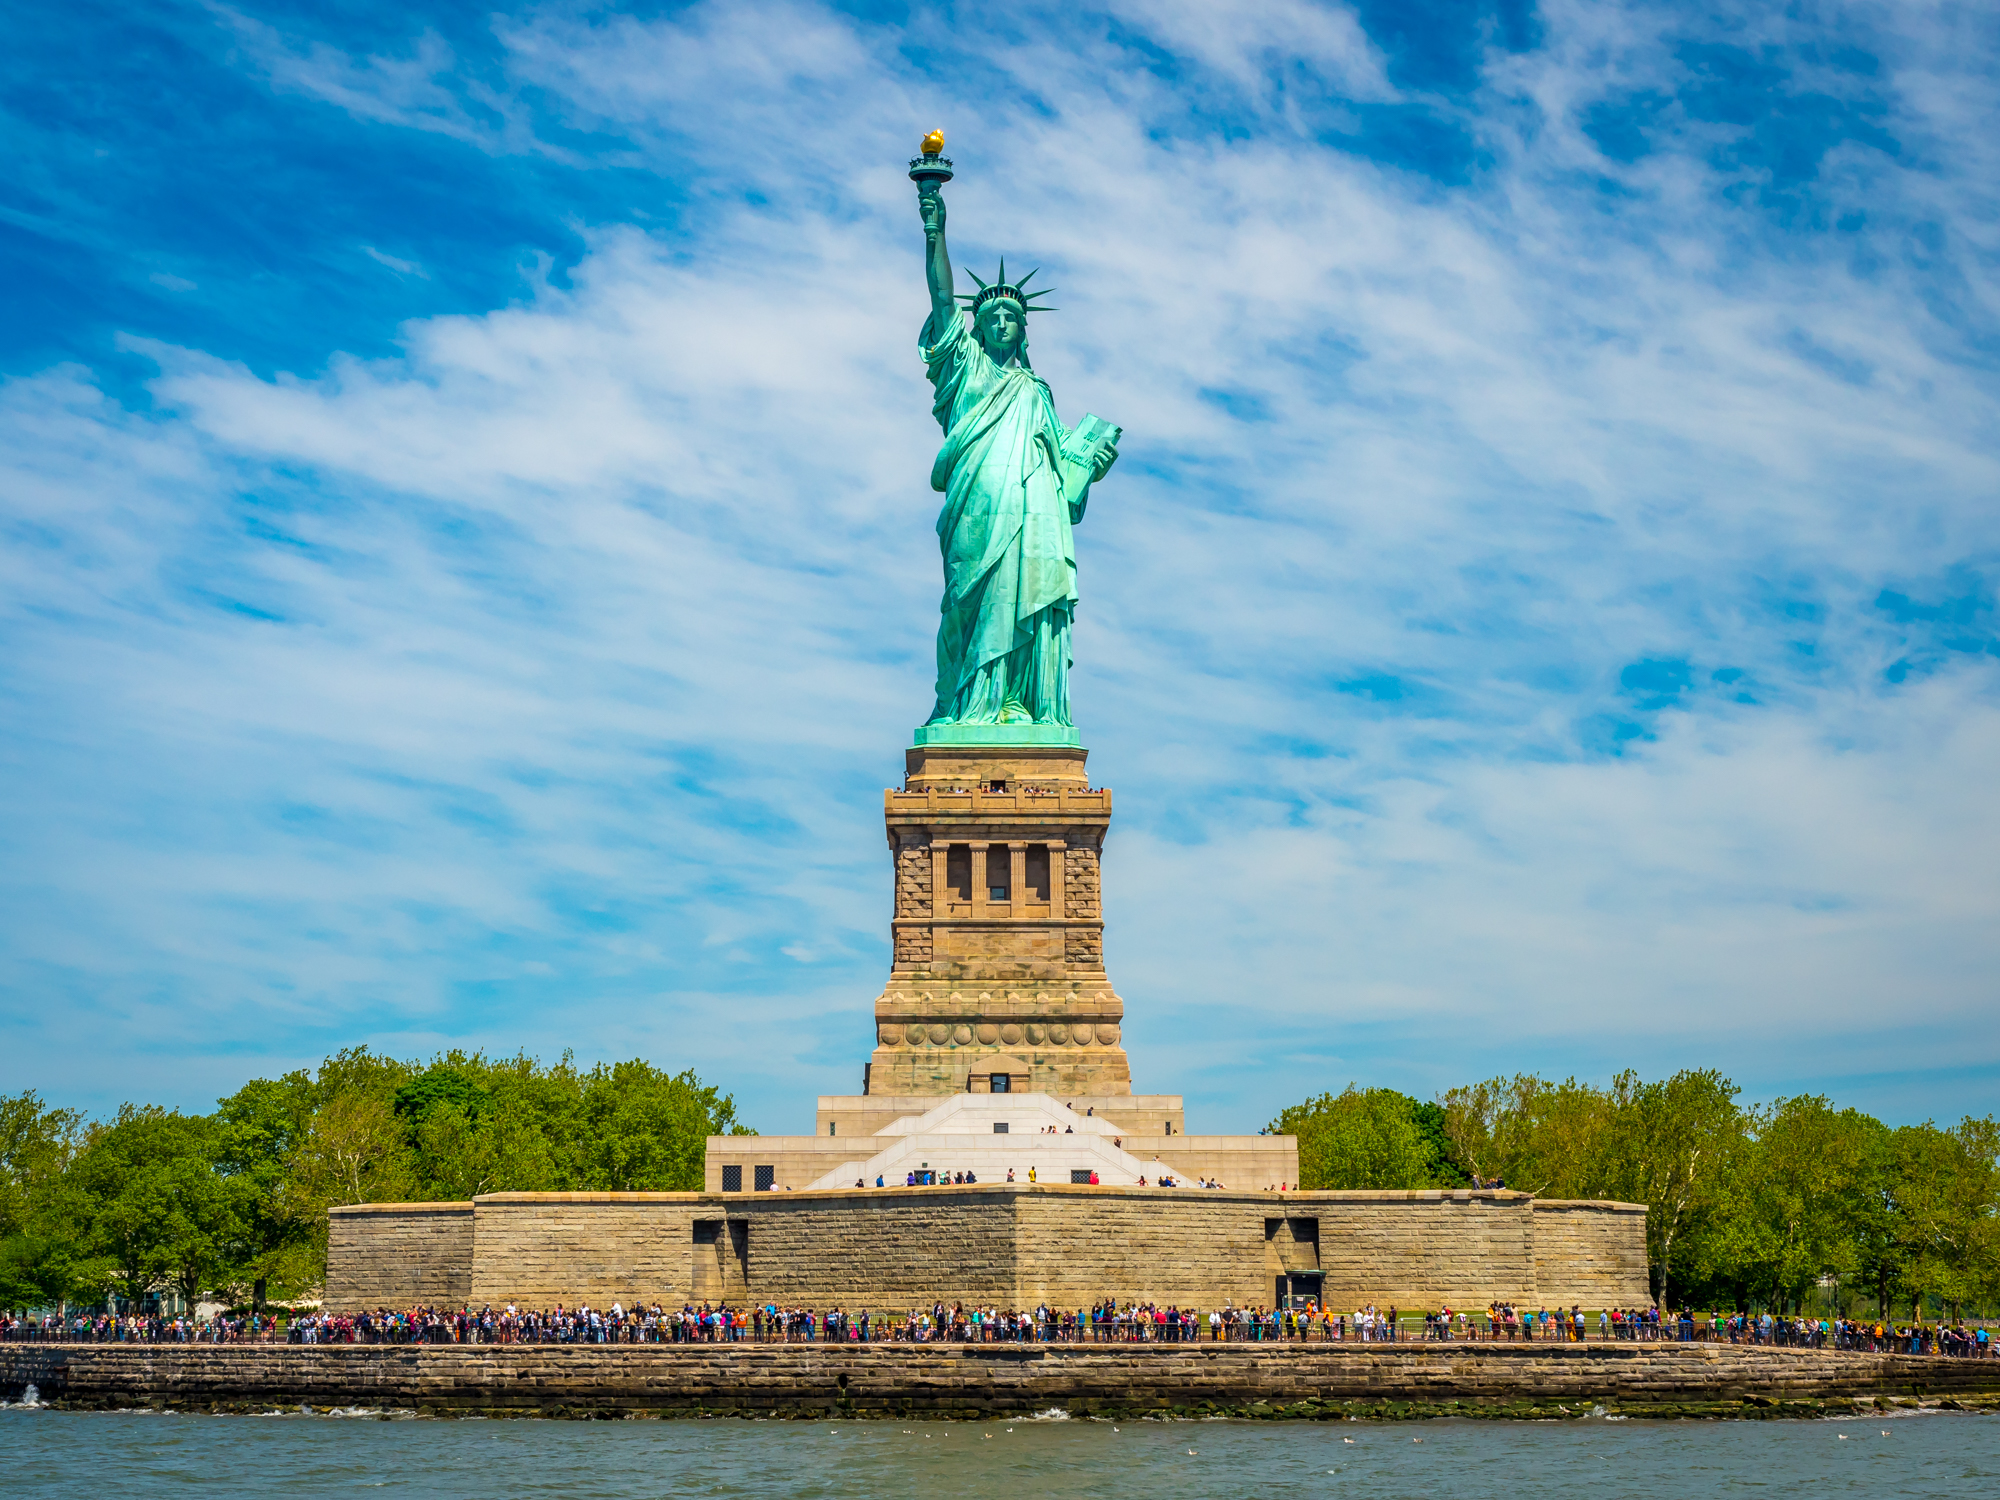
(1305, 1380)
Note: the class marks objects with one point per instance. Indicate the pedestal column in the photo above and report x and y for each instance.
(1014, 986)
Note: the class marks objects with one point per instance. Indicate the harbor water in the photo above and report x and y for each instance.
(89, 1454)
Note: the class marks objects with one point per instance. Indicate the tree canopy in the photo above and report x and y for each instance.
(233, 1204)
(1746, 1204)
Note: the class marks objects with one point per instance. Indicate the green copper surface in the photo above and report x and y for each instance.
(998, 734)
(1015, 482)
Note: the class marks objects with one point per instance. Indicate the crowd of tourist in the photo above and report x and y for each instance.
(108, 1328)
(1953, 1339)
(1107, 1321)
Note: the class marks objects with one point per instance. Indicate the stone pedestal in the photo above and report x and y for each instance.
(998, 978)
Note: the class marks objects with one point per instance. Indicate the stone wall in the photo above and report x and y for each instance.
(913, 875)
(399, 1255)
(1013, 1245)
(795, 1160)
(1167, 1246)
(1083, 946)
(538, 1249)
(859, 1251)
(1135, 1115)
(1082, 879)
(1425, 1249)
(1244, 1163)
(1590, 1254)
(1316, 1382)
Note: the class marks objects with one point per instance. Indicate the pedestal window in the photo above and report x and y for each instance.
(1037, 876)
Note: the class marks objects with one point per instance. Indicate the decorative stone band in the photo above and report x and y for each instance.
(963, 1033)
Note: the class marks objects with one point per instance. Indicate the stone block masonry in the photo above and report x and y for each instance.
(1011, 1245)
(1588, 1254)
(1311, 1382)
(998, 929)
(540, 1249)
(1463, 1253)
(399, 1255)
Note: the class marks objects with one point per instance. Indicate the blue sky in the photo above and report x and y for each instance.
(466, 568)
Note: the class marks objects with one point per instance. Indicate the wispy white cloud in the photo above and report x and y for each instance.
(400, 267)
(419, 91)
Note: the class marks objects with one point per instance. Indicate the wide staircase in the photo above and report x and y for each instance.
(990, 1134)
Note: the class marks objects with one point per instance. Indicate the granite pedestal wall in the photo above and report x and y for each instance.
(1011, 1245)
(997, 977)
(538, 1249)
(1589, 1254)
(399, 1255)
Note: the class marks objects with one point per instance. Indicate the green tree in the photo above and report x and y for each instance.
(1801, 1198)
(262, 1129)
(441, 1087)
(461, 1145)
(1943, 1200)
(352, 1151)
(648, 1131)
(159, 1209)
(43, 1258)
(513, 1124)
(1550, 1139)
(239, 1198)
(1361, 1138)
(1673, 1146)
(1431, 1121)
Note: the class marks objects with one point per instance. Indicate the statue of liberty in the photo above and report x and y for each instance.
(1015, 481)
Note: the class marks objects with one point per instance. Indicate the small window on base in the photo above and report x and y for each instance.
(1080, 1174)
(732, 1179)
(1000, 1126)
(1001, 1083)
(764, 1178)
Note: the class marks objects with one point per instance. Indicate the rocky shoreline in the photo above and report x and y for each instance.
(976, 1382)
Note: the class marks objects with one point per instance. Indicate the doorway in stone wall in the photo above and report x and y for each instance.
(721, 1259)
(1299, 1290)
(707, 1280)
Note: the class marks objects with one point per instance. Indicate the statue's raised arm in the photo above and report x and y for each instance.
(937, 260)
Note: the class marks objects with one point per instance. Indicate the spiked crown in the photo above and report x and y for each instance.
(1000, 286)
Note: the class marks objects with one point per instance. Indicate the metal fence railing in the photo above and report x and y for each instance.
(1125, 1326)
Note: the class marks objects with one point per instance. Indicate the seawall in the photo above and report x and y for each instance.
(974, 1381)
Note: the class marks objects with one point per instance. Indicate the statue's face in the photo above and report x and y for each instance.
(1001, 328)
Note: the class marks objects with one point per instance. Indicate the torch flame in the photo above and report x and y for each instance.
(933, 143)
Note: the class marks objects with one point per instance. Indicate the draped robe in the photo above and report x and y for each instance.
(1009, 556)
